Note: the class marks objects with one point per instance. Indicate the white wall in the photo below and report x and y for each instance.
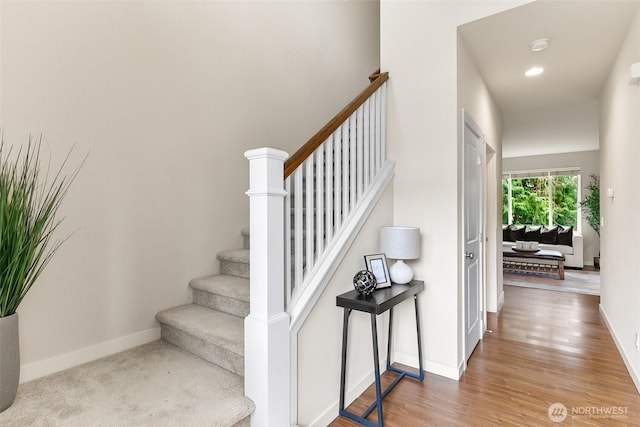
(474, 98)
(619, 154)
(419, 49)
(320, 339)
(165, 97)
(588, 162)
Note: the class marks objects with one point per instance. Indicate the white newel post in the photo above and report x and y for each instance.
(266, 329)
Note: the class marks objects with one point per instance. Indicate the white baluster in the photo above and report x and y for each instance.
(367, 142)
(353, 139)
(308, 232)
(297, 229)
(360, 151)
(337, 180)
(372, 137)
(383, 122)
(345, 171)
(319, 211)
(329, 189)
(378, 138)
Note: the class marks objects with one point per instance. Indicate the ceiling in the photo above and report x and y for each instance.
(585, 39)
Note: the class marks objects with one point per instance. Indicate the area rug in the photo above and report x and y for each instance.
(575, 281)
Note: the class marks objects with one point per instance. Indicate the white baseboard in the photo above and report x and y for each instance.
(350, 395)
(634, 376)
(65, 361)
(500, 302)
(429, 366)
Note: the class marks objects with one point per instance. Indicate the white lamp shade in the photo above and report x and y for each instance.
(400, 242)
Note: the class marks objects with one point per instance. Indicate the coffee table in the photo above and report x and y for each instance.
(541, 260)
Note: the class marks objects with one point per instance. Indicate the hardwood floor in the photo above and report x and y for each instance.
(546, 347)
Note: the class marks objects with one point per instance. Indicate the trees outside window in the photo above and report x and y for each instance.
(529, 201)
(544, 200)
(565, 200)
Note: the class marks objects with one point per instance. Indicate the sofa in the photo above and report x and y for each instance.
(563, 239)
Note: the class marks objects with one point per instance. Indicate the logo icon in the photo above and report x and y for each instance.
(557, 412)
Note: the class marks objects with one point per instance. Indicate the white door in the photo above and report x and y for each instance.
(473, 158)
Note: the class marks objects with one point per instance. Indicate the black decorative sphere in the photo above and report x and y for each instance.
(365, 282)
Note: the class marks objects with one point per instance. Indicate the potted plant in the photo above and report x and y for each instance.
(29, 201)
(591, 206)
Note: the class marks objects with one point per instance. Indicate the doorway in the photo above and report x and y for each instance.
(473, 219)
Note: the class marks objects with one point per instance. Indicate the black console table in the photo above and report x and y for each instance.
(378, 302)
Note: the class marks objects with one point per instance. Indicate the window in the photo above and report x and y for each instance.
(541, 197)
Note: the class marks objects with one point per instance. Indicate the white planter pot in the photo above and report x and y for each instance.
(9, 360)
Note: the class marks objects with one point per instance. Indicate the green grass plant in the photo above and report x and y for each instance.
(30, 196)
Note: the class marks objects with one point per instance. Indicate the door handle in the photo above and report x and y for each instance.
(469, 255)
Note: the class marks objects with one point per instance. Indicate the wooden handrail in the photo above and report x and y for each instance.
(374, 75)
(316, 140)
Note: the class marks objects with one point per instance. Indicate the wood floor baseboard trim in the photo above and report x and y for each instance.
(625, 359)
(429, 366)
(55, 364)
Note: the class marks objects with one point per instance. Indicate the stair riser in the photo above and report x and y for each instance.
(210, 352)
(221, 303)
(232, 268)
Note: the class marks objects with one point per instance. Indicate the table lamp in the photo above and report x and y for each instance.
(400, 243)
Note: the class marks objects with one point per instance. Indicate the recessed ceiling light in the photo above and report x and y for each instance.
(534, 71)
(539, 45)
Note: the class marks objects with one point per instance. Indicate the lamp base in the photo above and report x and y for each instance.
(400, 273)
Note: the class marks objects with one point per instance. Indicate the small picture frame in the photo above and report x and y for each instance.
(377, 264)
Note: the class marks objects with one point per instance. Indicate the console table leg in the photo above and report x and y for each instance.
(415, 301)
(389, 339)
(376, 369)
(345, 333)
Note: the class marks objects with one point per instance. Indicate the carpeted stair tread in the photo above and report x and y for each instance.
(223, 292)
(235, 262)
(221, 329)
(222, 284)
(156, 384)
(235, 255)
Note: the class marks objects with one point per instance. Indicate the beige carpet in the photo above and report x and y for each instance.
(156, 384)
(575, 281)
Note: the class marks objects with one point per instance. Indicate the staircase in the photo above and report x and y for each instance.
(213, 326)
